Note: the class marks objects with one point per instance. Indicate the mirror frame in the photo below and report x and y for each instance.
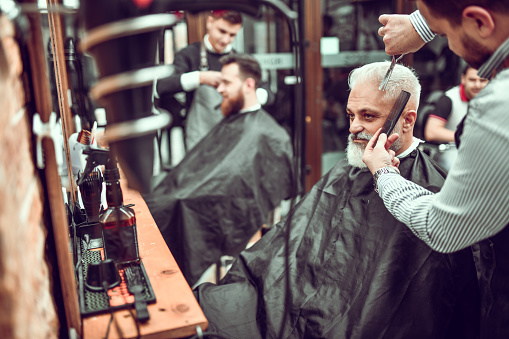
(44, 106)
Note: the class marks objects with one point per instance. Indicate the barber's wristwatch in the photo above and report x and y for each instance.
(380, 171)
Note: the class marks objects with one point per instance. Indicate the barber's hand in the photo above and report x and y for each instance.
(211, 78)
(379, 155)
(400, 36)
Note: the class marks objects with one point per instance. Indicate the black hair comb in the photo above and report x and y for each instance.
(395, 113)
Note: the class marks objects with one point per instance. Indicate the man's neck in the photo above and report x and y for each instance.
(250, 102)
(252, 108)
(463, 94)
(210, 48)
(415, 143)
(493, 65)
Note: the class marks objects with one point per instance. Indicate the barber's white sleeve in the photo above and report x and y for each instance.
(421, 26)
(190, 81)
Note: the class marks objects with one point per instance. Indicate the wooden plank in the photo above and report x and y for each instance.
(62, 85)
(176, 312)
(196, 26)
(42, 94)
(314, 91)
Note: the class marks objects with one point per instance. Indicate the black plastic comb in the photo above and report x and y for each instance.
(395, 112)
(134, 281)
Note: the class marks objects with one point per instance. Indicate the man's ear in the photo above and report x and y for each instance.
(210, 19)
(250, 84)
(463, 79)
(478, 20)
(409, 118)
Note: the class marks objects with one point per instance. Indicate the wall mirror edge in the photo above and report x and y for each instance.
(43, 106)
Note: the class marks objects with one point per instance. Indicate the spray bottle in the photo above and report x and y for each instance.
(118, 222)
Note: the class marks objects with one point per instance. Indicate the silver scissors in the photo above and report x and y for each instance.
(387, 76)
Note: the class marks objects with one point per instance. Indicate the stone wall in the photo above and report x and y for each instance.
(26, 306)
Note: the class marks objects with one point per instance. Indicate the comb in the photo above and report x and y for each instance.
(134, 282)
(395, 113)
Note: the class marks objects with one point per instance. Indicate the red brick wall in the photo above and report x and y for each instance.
(26, 305)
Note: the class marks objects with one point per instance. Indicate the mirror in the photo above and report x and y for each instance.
(265, 37)
(71, 74)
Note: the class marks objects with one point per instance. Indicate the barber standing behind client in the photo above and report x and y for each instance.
(198, 73)
(450, 110)
(356, 271)
(219, 196)
(198, 64)
(473, 203)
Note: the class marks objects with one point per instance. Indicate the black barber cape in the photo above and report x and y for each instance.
(215, 200)
(356, 272)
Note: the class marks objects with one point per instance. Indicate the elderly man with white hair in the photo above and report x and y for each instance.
(355, 271)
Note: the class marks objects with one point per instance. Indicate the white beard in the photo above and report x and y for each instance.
(355, 151)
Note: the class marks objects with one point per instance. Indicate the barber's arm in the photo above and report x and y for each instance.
(186, 78)
(172, 84)
(404, 33)
(211, 78)
(472, 204)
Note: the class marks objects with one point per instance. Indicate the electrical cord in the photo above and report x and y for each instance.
(109, 325)
(136, 322)
(105, 287)
(79, 260)
(138, 332)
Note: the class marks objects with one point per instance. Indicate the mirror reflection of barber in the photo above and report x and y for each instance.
(197, 73)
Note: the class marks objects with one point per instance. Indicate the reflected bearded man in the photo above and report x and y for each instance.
(355, 271)
(198, 73)
(222, 192)
(233, 98)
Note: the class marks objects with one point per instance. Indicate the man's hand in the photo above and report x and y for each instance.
(399, 34)
(379, 155)
(211, 78)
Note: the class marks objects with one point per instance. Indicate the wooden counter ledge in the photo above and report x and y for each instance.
(176, 312)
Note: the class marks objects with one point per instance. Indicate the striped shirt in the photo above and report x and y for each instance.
(474, 202)
(486, 71)
(421, 26)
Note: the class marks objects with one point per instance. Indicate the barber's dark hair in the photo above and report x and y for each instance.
(453, 9)
(466, 68)
(248, 65)
(232, 17)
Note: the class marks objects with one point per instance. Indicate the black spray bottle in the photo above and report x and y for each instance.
(118, 222)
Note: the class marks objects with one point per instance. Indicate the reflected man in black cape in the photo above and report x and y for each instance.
(355, 271)
(221, 193)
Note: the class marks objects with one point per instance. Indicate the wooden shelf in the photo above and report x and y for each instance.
(176, 312)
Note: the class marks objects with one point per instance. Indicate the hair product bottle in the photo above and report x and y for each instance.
(118, 222)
